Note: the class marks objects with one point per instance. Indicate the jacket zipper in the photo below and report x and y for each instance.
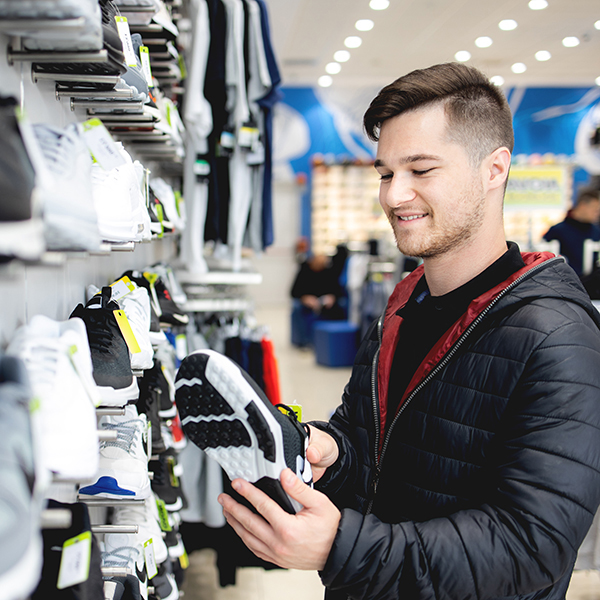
(433, 373)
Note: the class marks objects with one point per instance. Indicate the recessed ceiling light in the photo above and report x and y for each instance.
(597, 24)
(597, 80)
(364, 25)
(570, 41)
(538, 4)
(519, 68)
(379, 4)
(341, 56)
(352, 41)
(497, 80)
(325, 81)
(483, 42)
(462, 55)
(507, 24)
(333, 68)
(543, 55)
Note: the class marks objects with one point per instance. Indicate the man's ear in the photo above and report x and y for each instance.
(497, 166)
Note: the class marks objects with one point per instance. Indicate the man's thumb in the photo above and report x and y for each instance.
(296, 488)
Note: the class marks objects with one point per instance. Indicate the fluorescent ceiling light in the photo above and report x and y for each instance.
(597, 24)
(325, 81)
(597, 80)
(497, 80)
(483, 42)
(364, 25)
(333, 68)
(352, 41)
(507, 24)
(462, 55)
(570, 41)
(519, 68)
(543, 55)
(341, 56)
(379, 4)
(538, 4)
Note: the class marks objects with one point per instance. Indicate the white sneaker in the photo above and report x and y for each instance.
(136, 306)
(57, 357)
(87, 36)
(146, 518)
(70, 219)
(119, 202)
(131, 558)
(123, 469)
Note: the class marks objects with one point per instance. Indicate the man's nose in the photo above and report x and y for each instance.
(398, 192)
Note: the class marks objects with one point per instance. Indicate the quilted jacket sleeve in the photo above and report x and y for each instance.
(545, 489)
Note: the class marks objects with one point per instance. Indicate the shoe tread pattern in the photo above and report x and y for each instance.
(266, 442)
(198, 399)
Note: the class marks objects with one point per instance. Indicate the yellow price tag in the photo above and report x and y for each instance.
(125, 327)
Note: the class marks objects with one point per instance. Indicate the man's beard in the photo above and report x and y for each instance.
(456, 232)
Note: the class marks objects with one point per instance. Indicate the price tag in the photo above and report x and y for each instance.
(101, 145)
(125, 327)
(125, 35)
(247, 135)
(145, 58)
(163, 515)
(297, 408)
(75, 560)
(151, 567)
(122, 287)
(201, 168)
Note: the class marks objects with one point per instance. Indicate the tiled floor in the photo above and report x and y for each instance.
(318, 389)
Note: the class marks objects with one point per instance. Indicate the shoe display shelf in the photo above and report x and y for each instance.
(345, 206)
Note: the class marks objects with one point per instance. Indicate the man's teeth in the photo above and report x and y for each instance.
(411, 218)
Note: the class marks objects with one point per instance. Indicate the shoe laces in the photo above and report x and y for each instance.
(99, 335)
(58, 147)
(41, 359)
(291, 413)
(126, 433)
(120, 557)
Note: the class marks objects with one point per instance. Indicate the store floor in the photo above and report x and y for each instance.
(318, 390)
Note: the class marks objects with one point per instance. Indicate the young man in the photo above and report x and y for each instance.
(580, 224)
(464, 460)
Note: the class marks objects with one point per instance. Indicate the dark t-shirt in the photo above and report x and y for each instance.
(426, 318)
(571, 235)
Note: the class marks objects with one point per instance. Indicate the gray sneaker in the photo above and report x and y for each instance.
(20, 499)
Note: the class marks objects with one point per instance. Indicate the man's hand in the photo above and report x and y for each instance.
(311, 302)
(300, 541)
(321, 453)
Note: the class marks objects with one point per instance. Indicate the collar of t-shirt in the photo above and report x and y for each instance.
(426, 318)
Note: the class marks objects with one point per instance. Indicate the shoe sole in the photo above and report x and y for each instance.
(224, 415)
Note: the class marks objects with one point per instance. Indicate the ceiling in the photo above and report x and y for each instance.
(413, 34)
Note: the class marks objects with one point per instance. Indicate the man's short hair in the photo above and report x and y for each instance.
(479, 118)
(587, 195)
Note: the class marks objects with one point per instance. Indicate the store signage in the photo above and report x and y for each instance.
(543, 185)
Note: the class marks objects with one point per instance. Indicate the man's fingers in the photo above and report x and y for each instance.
(256, 545)
(299, 491)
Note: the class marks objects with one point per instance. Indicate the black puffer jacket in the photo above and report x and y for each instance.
(490, 475)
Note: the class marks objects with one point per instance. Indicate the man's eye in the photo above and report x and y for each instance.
(385, 177)
(424, 172)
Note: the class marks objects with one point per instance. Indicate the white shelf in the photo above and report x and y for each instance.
(218, 305)
(219, 278)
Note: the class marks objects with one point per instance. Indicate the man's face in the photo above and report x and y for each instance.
(431, 194)
(589, 212)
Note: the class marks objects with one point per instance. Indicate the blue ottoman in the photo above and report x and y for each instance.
(336, 343)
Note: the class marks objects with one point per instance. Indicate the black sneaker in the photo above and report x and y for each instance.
(21, 226)
(110, 355)
(226, 414)
(165, 482)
